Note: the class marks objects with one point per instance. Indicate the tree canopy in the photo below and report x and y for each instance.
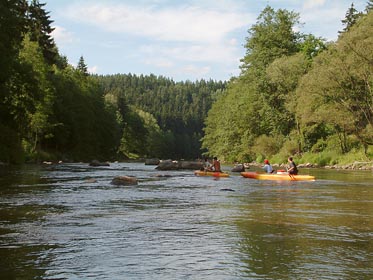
(296, 93)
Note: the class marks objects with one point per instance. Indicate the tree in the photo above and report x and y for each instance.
(41, 29)
(13, 24)
(338, 90)
(311, 46)
(39, 92)
(369, 6)
(82, 67)
(352, 15)
(271, 37)
(253, 105)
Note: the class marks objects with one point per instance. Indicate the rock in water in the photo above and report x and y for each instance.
(124, 181)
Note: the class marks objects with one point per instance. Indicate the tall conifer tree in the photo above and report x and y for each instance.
(352, 16)
(82, 67)
(41, 29)
(369, 6)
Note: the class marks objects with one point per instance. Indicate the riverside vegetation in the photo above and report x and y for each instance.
(297, 94)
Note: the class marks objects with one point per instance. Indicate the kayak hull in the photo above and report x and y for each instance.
(277, 177)
(210, 173)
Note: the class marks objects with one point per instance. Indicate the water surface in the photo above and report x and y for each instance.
(68, 222)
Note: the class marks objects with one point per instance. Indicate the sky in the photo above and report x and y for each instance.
(181, 40)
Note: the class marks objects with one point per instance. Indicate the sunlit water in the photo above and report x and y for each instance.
(56, 224)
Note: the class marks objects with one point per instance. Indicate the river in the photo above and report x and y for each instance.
(55, 223)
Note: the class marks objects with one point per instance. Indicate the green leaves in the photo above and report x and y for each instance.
(256, 103)
(338, 90)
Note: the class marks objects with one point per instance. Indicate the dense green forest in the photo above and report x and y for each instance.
(51, 110)
(162, 118)
(296, 95)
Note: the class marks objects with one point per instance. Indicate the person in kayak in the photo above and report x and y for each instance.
(207, 165)
(267, 167)
(293, 170)
(216, 165)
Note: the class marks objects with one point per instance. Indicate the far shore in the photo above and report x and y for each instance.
(357, 165)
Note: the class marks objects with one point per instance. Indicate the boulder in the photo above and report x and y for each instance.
(177, 165)
(168, 165)
(238, 168)
(192, 165)
(124, 181)
(152, 161)
(98, 163)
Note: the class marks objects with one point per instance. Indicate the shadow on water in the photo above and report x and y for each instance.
(69, 222)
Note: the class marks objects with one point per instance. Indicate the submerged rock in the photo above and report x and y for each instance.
(90, 180)
(124, 181)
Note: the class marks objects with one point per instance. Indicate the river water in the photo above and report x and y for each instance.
(55, 223)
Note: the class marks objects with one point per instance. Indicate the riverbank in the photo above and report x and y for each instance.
(357, 165)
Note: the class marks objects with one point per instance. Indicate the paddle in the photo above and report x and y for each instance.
(290, 175)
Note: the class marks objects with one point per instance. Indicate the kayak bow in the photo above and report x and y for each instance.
(281, 177)
(210, 173)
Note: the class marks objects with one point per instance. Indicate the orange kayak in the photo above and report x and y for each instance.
(210, 173)
(282, 177)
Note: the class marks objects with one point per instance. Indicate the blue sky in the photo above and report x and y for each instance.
(182, 40)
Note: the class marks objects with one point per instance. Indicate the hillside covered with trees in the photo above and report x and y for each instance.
(50, 110)
(296, 95)
(160, 117)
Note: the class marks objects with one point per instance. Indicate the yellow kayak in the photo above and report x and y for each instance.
(282, 177)
(210, 173)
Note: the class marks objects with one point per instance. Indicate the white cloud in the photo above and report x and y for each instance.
(196, 70)
(161, 62)
(177, 23)
(310, 4)
(194, 52)
(93, 69)
(62, 36)
(325, 21)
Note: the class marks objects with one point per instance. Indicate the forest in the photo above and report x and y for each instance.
(297, 94)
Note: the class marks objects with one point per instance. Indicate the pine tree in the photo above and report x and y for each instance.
(41, 30)
(12, 27)
(82, 67)
(369, 6)
(352, 15)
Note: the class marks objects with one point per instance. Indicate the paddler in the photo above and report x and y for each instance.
(216, 165)
(293, 170)
(267, 167)
(207, 165)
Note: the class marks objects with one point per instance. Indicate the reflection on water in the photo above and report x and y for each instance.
(57, 224)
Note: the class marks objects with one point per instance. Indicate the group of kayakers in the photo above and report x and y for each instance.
(215, 166)
(292, 170)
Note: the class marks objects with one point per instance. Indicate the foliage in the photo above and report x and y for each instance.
(352, 15)
(256, 103)
(178, 111)
(267, 145)
(338, 90)
(41, 29)
(296, 95)
(82, 66)
(369, 6)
